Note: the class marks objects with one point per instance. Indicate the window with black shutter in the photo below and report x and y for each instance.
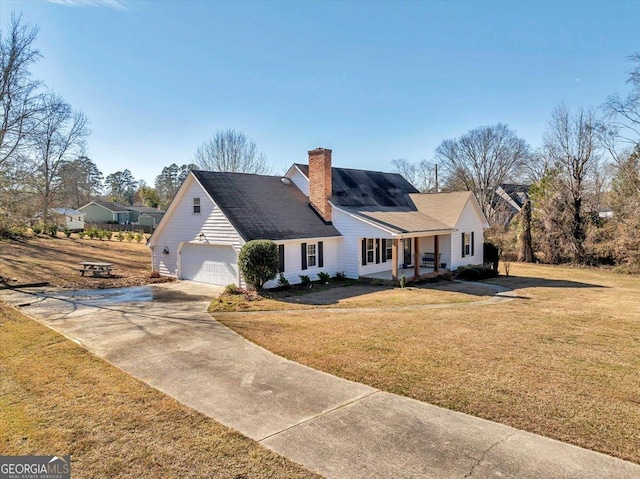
(281, 258)
(303, 248)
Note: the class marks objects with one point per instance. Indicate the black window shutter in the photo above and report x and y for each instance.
(384, 250)
(303, 247)
(472, 243)
(377, 250)
(463, 245)
(281, 258)
(320, 254)
(364, 251)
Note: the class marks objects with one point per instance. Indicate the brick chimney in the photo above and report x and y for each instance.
(320, 181)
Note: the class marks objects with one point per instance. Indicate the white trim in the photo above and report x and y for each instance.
(299, 171)
(176, 199)
(302, 240)
(370, 223)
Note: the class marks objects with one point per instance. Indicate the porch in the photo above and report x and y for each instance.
(409, 272)
(411, 255)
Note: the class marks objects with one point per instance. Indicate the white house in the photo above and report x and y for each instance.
(324, 219)
(68, 218)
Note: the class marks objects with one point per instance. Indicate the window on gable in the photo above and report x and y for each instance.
(196, 206)
(311, 254)
(467, 244)
(370, 250)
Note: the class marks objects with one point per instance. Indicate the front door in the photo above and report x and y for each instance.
(407, 251)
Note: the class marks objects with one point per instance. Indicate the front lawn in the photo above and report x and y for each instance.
(351, 295)
(56, 398)
(562, 360)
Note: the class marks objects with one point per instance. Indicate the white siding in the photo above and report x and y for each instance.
(349, 255)
(75, 222)
(293, 260)
(180, 225)
(444, 247)
(300, 181)
(470, 220)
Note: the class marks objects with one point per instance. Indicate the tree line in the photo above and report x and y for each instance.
(583, 182)
(588, 162)
(43, 146)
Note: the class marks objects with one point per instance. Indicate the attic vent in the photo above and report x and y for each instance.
(285, 180)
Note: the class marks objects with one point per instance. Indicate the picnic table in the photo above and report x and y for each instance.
(96, 269)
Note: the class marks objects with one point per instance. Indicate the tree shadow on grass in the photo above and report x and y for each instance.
(518, 282)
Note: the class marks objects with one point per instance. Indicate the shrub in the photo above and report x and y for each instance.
(475, 272)
(283, 282)
(491, 255)
(129, 236)
(91, 233)
(119, 236)
(51, 230)
(305, 281)
(37, 228)
(232, 289)
(67, 232)
(324, 277)
(138, 237)
(340, 276)
(12, 231)
(258, 262)
(403, 281)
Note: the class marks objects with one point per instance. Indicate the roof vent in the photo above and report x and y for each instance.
(285, 181)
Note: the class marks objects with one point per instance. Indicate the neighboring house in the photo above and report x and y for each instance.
(106, 212)
(508, 201)
(334, 220)
(68, 218)
(145, 216)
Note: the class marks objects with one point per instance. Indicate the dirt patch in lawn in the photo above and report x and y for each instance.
(56, 261)
(56, 398)
(561, 361)
(352, 295)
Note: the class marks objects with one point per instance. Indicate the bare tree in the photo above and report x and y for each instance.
(624, 113)
(407, 169)
(58, 136)
(570, 143)
(230, 150)
(481, 160)
(620, 134)
(17, 87)
(421, 175)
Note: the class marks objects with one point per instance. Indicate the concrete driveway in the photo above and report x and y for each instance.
(162, 335)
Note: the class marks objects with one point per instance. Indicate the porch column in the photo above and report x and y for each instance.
(416, 257)
(394, 260)
(436, 254)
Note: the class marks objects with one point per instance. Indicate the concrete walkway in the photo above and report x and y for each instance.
(163, 335)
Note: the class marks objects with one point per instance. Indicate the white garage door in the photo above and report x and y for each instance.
(209, 264)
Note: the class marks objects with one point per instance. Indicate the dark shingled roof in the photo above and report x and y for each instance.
(263, 207)
(354, 188)
(518, 193)
(112, 205)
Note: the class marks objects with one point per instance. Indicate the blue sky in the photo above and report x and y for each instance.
(373, 81)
